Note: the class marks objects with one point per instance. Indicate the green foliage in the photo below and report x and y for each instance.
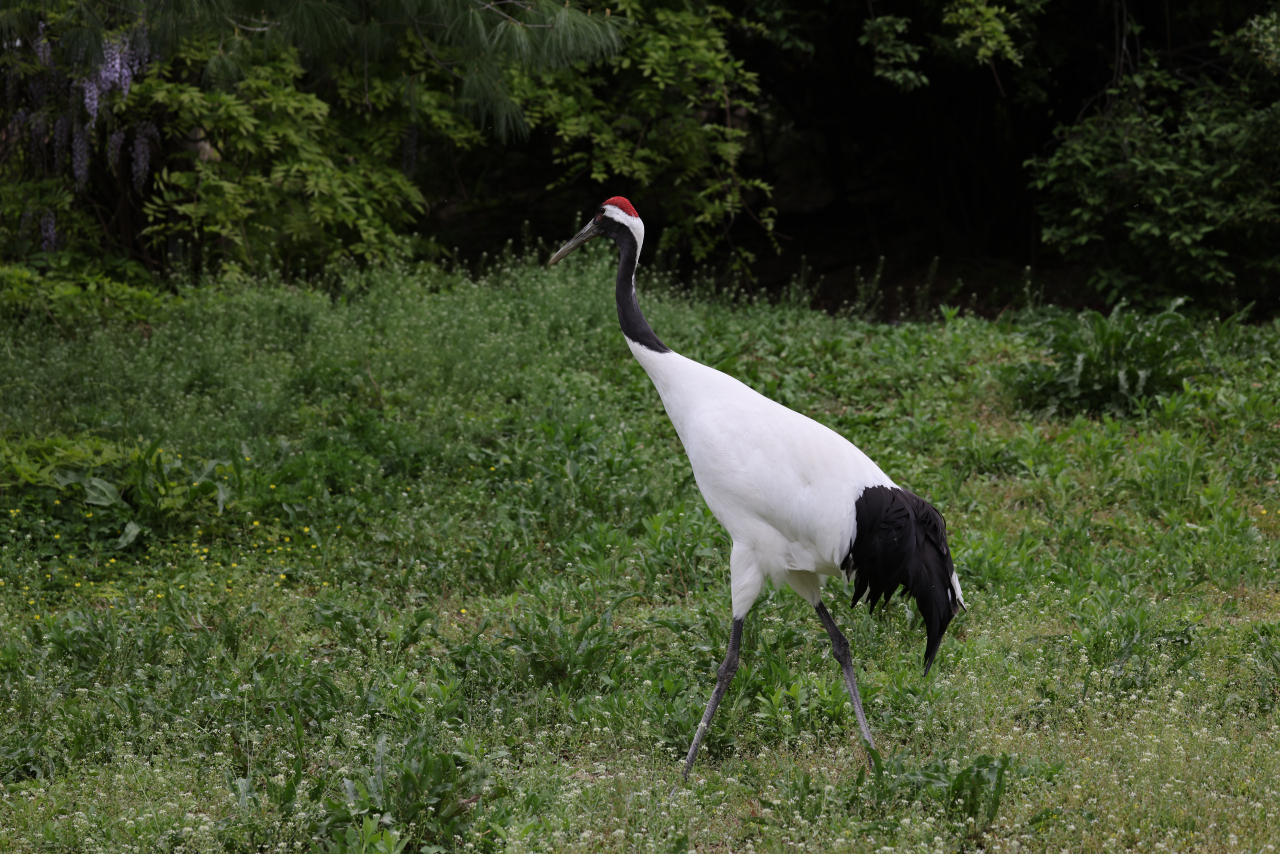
(564, 653)
(185, 137)
(1172, 184)
(368, 839)
(470, 43)
(511, 618)
(893, 57)
(1262, 35)
(419, 794)
(667, 112)
(975, 791)
(254, 164)
(289, 136)
(970, 794)
(1110, 363)
(250, 169)
(269, 178)
(106, 497)
(1161, 157)
(73, 295)
(986, 31)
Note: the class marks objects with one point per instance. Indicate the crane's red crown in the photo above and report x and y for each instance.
(622, 205)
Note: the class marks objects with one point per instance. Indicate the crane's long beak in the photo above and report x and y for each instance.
(588, 233)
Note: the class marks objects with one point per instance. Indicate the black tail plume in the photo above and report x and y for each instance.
(901, 542)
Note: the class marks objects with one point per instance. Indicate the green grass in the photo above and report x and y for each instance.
(424, 565)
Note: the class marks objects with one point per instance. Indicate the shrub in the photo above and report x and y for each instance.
(427, 794)
(73, 295)
(1172, 184)
(1108, 363)
(190, 140)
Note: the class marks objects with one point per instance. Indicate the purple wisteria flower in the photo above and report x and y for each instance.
(90, 87)
(121, 63)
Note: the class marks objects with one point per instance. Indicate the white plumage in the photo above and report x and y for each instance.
(781, 484)
(798, 500)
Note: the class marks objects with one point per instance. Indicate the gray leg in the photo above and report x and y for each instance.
(840, 648)
(723, 677)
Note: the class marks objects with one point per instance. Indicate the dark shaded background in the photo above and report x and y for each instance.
(862, 170)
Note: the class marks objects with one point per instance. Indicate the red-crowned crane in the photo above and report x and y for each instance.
(798, 499)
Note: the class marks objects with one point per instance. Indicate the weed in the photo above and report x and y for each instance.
(1109, 363)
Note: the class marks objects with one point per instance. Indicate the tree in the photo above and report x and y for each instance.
(906, 128)
(669, 111)
(1173, 185)
(161, 128)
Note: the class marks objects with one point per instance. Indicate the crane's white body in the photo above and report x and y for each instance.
(782, 485)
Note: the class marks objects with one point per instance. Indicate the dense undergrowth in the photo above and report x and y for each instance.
(424, 565)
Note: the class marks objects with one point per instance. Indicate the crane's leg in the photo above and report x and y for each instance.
(723, 677)
(840, 648)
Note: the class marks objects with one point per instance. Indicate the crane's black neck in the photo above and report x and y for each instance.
(634, 326)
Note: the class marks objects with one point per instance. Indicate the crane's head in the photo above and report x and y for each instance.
(616, 218)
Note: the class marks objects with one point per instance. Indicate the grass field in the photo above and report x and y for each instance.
(423, 567)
